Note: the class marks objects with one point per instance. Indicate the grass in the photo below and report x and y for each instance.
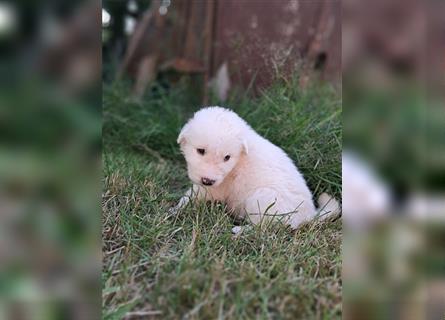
(190, 266)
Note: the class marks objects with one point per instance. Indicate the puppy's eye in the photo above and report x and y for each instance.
(227, 158)
(201, 151)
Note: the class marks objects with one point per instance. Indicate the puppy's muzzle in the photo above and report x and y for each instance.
(207, 182)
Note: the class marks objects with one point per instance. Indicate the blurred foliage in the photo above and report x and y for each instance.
(50, 146)
(399, 129)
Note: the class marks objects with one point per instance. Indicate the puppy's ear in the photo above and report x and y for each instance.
(245, 146)
(181, 138)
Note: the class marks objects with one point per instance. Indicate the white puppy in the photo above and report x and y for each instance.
(228, 161)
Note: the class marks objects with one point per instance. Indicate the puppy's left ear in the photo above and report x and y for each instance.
(245, 146)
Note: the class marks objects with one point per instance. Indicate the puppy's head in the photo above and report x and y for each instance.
(213, 142)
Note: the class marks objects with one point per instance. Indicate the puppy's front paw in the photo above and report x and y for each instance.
(237, 229)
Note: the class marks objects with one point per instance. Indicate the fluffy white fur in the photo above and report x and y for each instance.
(258, 181)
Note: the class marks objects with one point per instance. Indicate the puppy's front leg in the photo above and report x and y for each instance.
(195, 193)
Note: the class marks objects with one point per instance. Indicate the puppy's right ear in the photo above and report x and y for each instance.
(245, 146)
(182, 135)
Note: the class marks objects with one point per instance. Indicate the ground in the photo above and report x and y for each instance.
(190, 266)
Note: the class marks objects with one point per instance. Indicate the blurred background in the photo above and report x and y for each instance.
(393, 56)
(50, 144)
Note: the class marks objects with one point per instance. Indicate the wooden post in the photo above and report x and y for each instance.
(208, 32)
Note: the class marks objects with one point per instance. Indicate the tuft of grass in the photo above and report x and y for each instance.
(191, 266)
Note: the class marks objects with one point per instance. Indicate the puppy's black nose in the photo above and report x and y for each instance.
(207, 182)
